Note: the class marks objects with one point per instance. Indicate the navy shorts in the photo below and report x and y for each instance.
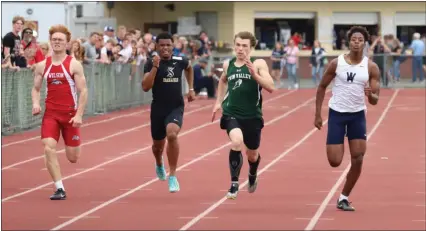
(251, 129)
(160, 117)
(353, 125)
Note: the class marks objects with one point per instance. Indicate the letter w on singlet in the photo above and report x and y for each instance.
(350, 76)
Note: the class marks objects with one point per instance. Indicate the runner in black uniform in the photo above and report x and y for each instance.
(163, 74)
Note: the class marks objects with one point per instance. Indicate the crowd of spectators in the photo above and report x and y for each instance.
(132, 46)
(387, 51)
(122, 45)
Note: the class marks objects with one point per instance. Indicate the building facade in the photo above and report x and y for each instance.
(313, 20)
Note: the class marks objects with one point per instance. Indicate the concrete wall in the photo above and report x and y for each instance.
(135, 14)
(237, 16)
(244, 14)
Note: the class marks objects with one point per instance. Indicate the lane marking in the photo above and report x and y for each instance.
(84, 125)
(300, 142)
(320, 211)
(115, 199)
(99, 139)
(270, 164)
(140, 150)
(87, 217)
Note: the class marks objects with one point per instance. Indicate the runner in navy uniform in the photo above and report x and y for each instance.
(163, 74)
(355, 76)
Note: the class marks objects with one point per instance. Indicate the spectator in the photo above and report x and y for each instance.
(116, 52)
(296, 38)
(138, 34)
(379, 49)
(291, 63)
(132, 35)
(418, 48)
(106, 51)
(317, 62)
(203, 80)
(147, 39)
(77, 50)
(20, 60)
(398, 57)
(178, 49)
(122, 31)
(44, 47)
(108, 33)
(126, 52)
(276, 57)
(90, 48)
(12, 40)
(202, 51)
(98, 45)
(32, 51)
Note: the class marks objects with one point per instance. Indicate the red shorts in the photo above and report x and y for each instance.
(55, 122)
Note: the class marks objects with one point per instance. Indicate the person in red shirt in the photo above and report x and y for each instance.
(32, 51)
(64, 76)
(296, 38)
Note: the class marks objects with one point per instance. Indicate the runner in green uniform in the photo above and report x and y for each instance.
(242, 117)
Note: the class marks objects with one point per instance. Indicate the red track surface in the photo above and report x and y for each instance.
(293, 183)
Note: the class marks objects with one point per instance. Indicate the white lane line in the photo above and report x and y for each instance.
(270, 164)
(113, 200)
(98, 140)
(84, 125)
(129, 154)
(276, 160)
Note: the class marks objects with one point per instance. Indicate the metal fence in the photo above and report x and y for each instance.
(110, 88)
(389, 65)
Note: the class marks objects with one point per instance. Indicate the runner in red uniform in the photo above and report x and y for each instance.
(63, 114)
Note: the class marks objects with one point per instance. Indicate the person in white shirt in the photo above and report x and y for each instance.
(108, 33)
(354, 76)
(126, 52)
(107, 48)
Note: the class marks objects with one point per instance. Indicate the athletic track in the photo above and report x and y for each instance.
(114, 186)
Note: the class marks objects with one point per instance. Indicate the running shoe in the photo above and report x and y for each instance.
(173, 184)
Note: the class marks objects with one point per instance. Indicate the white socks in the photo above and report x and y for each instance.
(342, 197)
(58, 185)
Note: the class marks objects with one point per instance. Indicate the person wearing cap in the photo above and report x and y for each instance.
(108, 33)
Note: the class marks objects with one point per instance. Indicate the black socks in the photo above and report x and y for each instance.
(253, 166)
(235, 164)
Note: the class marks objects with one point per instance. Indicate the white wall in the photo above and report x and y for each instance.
(46, 13)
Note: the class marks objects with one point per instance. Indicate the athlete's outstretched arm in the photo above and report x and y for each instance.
(263, 77)
(374, 82)
(38, 82)
(328, 76)
(80, 84)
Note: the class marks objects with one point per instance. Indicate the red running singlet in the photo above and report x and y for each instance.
(61, 103)
(61, 90)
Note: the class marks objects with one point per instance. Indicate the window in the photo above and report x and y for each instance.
(270, 30)
(405, 33)
(340, 32)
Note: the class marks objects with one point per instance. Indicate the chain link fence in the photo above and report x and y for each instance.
(111, 87)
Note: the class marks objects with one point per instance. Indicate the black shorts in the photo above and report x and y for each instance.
(353, 125)
(251, 128)
(160, 117)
